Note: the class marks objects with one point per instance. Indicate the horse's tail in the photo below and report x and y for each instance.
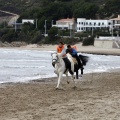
(84, 59)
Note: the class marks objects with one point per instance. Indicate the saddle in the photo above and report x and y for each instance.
(74, 59)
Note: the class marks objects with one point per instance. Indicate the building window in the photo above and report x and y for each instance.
(98, 24)
(94, 24)
(102, 23)
(109, 23)
(90, 23)
(79, 23)
(86, 23)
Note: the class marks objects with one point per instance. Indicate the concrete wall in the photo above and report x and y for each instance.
(116, 44)
(103, 43)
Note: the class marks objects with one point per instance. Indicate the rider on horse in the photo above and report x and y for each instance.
(61, 49)
(74, 54)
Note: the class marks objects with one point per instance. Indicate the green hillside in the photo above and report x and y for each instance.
(106, 8)
(52, 10)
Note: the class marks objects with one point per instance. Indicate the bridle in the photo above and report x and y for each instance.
(54, 61)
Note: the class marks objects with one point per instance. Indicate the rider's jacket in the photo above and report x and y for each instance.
(74, 46)
(73, 51)
(61, 50)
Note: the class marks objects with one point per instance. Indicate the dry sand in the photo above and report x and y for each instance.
(83, 49)
(97, 97)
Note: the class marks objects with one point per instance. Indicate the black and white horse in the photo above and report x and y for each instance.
(60, 67)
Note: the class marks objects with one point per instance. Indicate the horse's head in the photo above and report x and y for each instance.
(54, 58)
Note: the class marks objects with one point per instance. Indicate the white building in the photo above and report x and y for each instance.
(116, 22)
(84, 24)
(65, 24)
(27, 21)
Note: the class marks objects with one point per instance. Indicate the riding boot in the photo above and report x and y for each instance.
(78, 60)
(68, 64)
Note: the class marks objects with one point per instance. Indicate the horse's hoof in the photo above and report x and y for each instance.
(59, 89)
(68, 82)
(74, 87)
(80, 76)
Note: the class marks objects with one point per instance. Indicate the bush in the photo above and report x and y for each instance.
(88, 41)
(23, 37)
(104, 34)
(53, 32)
(81, 35)
(48, 40)
(10, 36)
(37, 37)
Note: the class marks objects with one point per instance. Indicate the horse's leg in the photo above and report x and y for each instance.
(81, 71)
(73, 78)
(76, 74)
(59, 78)
(67, 78)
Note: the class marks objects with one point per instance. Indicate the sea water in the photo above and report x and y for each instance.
(18, 65)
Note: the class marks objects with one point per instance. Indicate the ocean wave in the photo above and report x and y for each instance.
(19, 67)
(25, 65)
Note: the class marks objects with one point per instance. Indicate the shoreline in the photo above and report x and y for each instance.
(117, 70)
(81, 49)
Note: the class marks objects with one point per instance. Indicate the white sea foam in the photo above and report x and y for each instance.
(26, 65)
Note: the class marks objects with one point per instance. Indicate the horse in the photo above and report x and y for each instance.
(60, 68)
(83, 60)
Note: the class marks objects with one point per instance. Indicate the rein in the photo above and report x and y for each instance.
(55, 61)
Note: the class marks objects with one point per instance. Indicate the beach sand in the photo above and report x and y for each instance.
(83, 49)
(97, 97)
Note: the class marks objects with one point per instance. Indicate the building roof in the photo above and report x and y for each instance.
(66, 20)
(118, 18)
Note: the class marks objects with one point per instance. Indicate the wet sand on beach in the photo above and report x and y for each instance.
(97, 97)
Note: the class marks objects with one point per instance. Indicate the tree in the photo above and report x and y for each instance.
(85, 10)
(110, 8)
(53, 32)
(27, 27)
